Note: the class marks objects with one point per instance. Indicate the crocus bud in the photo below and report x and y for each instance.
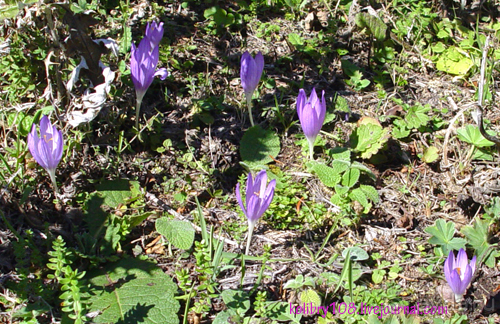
(250, 73)
(47, 148)
(311, 113)
(258, 198)
(459, 272)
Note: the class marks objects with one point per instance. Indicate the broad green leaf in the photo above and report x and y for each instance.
(365, 169)
(328, 176)
(310, 296)
(179, 233)
(131, 291)
(375, 25)
(350, 177)
(358, 195)
(430, 154)
(341, 190)
(454, 61)
(237, 300)
(340, 153)
(368, 138)
(356, 253)
(417, 116)
(227, 316)
(472, 135)
(295, 39)
(259, 146)
(115, 192)
(442, 234)
(370, 192)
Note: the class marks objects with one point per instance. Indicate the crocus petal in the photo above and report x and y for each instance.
(251, 72)
(301, 101)
(449, 266)
(467, 277)
(240, 201)
(47, 148)
(455, 283)
(322, 109)
(473, 264)
(253, 206)
(250, 187)
(154, 32)
(162, 73)
(461, 261)
(260, 183)
(311, 113)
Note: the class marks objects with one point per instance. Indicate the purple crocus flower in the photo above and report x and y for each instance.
(47, 148)
(458, 272)
(143, 61)
(250, 73)
(154, 32)
(311, 113)
(258, 198)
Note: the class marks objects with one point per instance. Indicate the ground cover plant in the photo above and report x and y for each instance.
(326, 161)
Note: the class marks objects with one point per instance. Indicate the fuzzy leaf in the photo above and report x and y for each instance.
(259, 146)
(328, 176)
(358, 195)
(310, 296)
(115, 192)
(417, 116)
(370, 192)
(350, 178)
(131, 291)
(179, 233)
(368, 138)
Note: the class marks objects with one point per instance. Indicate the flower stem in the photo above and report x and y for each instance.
(251, 225)
(52, 175)
(249, 106)
(137, 110)
(311, 148)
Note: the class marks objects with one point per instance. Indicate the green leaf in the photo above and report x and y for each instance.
(368, 138)
(477, 235)
(378, 275)
(179, 233)
(259, 146)
(442, 234)
(356, 253)
(365, 169)
(295, 40)
(375, 25)
(328, 176)
(131, 291)
(310, 296)
(370, 192)
(430, 154)
(454, 61)
(358, 195)
(417, 116)
(227, 316)
(237, 300)
(350, 178)
(126, 40)
(472, 135)
(115, 192)
(280, 311)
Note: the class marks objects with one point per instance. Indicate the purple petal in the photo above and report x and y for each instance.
(467, 277)
(154, 32)
(162, 73)
(253, 206)
(455, 283)
(461, 261)
(322, 108)
(240, 201)
(301, 101)
(260, 183)
(473, 264)
(250, 187)
(266, 201)
(251, 72)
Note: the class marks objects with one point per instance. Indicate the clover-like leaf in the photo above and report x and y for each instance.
(442, 234)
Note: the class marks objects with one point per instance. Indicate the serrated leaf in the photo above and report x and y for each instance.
(115, 192)
(430, 154)
(310, 296)
(237, 300)
(358, 195)
(367, 139)
(417, 116)
(131, 291)
(400, 132)
(179, 233)
(341, 190)
(472, 135)
(453, 61)
(350, 177)
(477, 235)
(259, 146)
(328, 176)
(442, 234)
(340, 153)
(280, 311)
(370, 192)
(365, 169)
